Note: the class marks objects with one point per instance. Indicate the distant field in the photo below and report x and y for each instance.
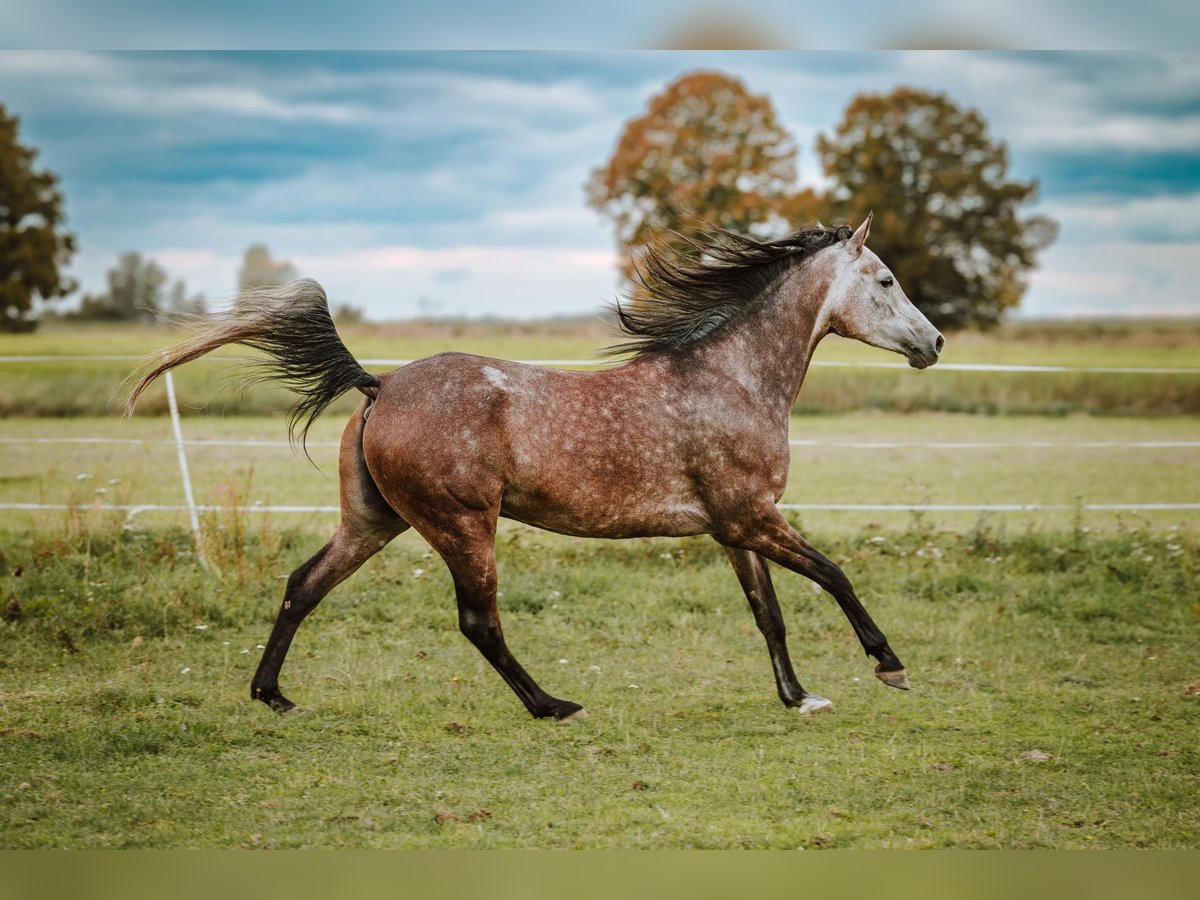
(825, 472)
(68, 388)
(1123, 343)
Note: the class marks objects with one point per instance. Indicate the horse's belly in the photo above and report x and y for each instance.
(585, 515)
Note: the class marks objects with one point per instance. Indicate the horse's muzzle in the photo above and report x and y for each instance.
(925, 354)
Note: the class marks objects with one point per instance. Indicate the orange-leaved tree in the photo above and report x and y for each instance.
(706, 150)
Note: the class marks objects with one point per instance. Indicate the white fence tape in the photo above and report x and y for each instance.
(134, 508)
(990, 445)
(53, 357)
(193, 509)
(989, 507)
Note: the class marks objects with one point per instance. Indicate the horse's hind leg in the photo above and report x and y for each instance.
(350, 546)
(466, 542)
(367, 524)
(755, 579)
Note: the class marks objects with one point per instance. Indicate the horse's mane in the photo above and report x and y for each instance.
(680, 298)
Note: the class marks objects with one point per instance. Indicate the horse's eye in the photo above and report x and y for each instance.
(887, 281)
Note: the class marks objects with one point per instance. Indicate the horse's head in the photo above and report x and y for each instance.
(865, 302)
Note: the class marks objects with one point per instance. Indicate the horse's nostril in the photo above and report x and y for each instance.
(939, 344)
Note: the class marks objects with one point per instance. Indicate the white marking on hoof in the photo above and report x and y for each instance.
(814, 704)
(578, 716)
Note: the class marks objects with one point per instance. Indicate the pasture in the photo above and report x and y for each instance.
(1053, 654)
(1054, 702)
(75, 389)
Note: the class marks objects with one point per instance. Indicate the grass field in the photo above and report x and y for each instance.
(1053, 655)
(1054, 704)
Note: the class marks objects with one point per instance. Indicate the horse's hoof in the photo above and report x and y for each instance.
(895, 679)
(274, 699)
(814, 704)
(281, 704)
(578, 716)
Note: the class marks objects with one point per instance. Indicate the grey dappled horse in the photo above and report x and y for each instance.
(689, 436)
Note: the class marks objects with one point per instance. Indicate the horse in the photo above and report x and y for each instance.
(687, 436)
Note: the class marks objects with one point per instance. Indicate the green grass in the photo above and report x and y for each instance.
(1168, 342)
(124, 725)
(69, 388)
(1053, 655)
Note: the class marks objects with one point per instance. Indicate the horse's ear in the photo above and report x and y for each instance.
(857, 240)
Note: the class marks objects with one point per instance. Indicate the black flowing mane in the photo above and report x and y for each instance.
(684, 297)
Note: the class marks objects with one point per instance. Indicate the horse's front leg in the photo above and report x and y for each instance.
(755, 579)
(770, 535)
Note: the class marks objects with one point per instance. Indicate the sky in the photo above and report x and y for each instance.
(452, 183)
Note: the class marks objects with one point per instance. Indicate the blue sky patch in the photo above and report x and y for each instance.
(454, 181)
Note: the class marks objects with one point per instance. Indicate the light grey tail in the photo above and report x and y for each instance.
(292, 326)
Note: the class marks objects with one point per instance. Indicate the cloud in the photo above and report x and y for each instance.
(1071, 102)
(470, 168)
(1116, 278)
(1119, 132)
(514, 282)
(1137, 219)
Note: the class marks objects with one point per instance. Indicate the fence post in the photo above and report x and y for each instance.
(188, 495)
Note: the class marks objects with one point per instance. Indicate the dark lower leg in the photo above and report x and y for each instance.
(781, 544)
(485, 633)
(306, 587)
(874, 643)
(479, 620)
(752, 573)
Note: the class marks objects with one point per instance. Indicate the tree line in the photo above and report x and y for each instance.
(705, 152)
(948, 219)
(35, 247)
(137, 289)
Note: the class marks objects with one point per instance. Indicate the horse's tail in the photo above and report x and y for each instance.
(292, 326)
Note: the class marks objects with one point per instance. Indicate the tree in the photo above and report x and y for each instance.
(348, 314)
(259, 270)
(180, 304)
(705, 149)
(135, 292)
(946, 213)
(34, 244)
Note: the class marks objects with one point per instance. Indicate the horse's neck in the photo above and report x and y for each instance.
(769, 350)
